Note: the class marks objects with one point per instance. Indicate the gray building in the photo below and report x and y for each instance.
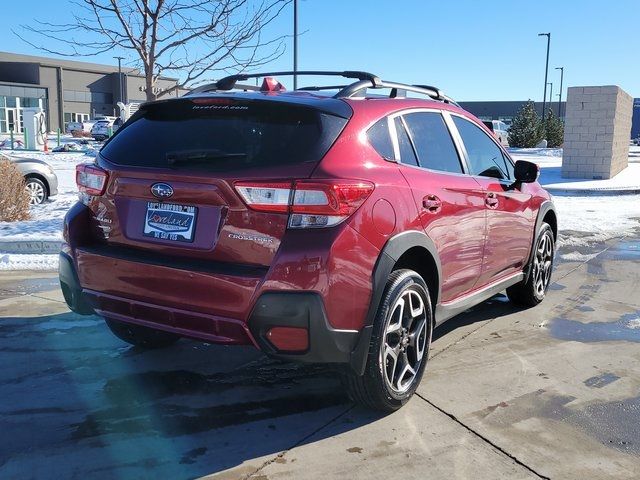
(506, 111)
(66, 90)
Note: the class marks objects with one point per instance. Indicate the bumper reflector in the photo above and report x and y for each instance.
(289, 339)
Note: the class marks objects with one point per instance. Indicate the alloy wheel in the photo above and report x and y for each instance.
(405, 341)
(36, 192)
(542, 263)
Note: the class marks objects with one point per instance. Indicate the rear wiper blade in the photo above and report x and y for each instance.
(200, 155)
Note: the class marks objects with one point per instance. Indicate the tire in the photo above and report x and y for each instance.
(533, 291)
(37, 190)
(392, 335)
(140, 336)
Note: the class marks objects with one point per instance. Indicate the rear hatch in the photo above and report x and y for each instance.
(174, 169)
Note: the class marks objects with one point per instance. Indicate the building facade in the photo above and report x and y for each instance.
(66, 90)
(506, 111)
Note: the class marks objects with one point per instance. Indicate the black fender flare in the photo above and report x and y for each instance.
(546, 207)
(393, 249)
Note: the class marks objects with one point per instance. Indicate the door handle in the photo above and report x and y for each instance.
(431, 204)
(491, 200)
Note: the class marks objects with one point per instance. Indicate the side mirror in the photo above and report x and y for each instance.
(526, 172)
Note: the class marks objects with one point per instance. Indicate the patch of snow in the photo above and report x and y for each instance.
(596, 218)
(577, 256)
(46, 219)
(634, 323)
(21, 261)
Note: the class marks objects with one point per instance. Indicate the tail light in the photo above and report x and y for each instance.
(91, 179)
(310, 204)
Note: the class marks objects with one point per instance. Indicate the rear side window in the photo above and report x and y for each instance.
(433, 142)
(407, 154)
(223, 136)
(380, 139)
(485, 157)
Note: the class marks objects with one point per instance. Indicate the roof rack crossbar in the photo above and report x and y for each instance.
(364, 81)
(228, 83)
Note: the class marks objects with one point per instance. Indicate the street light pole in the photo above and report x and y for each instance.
(550, 95)
(295, 44)
(546, 73)
(120, 78)
(560, 94)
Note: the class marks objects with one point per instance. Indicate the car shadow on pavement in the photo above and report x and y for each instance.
(497, 306)
(77, 401)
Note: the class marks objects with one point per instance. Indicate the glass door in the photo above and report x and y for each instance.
(12, 120)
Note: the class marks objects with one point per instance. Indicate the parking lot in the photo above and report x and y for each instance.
(550, 392)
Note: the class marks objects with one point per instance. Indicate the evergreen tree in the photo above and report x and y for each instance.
(554, 130)
(526, 130)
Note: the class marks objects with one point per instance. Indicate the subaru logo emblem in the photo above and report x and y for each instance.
(161, 190)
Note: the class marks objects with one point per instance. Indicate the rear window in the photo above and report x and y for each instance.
(228, 135)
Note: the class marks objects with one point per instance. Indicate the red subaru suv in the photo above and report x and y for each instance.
(319, 227)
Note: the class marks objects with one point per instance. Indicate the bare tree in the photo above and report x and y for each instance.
(189, 39)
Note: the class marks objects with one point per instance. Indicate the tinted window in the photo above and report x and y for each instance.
(433, 142)
(489, 124)
(221, 137)
(407, 155)
(485, 157)
(380, 139)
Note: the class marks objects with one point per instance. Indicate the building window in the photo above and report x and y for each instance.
(87, 97)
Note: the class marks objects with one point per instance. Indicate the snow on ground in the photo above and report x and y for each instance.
(46, 219)
(20, 261)
(550, 162)
(583, 220)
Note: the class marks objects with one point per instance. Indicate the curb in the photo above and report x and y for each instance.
(592, 192)
(31, 246)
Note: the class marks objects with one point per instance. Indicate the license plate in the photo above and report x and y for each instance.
(168, 221)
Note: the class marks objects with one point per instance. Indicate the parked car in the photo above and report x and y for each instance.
(103, 128)
(40, 180)
(80, 126)
(500, 130)
(318, 228)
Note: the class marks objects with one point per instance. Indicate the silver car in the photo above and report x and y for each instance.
(40, 179)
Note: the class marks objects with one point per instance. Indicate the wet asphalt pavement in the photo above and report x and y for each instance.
(550, 392)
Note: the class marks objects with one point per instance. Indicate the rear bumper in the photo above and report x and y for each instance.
(315, 283)
(302, 310)
(272, 309)
(70, 285)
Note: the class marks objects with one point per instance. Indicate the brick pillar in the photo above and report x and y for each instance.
(597, 132)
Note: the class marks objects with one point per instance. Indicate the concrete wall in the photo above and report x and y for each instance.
(597, 132)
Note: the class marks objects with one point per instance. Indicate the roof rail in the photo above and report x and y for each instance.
(432, 92)
(365, 80)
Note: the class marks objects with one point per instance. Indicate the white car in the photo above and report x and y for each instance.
(500, 131)
(103, 127)
(79, 126)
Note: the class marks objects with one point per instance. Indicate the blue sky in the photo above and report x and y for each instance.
(473, 50)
